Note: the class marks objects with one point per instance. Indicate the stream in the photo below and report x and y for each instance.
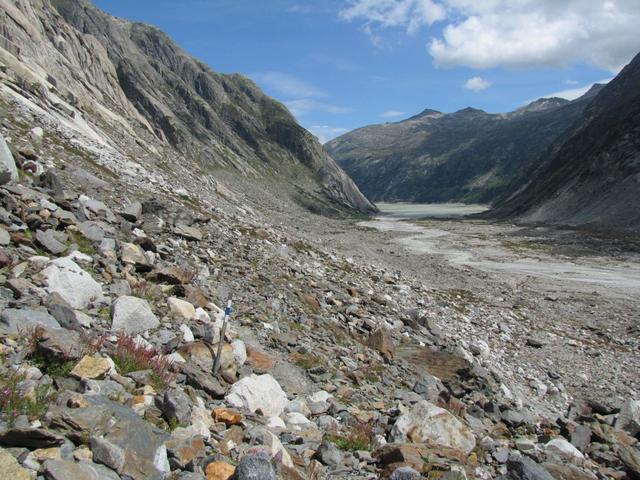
(478, 245)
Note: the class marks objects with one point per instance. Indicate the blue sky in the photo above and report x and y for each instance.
(342, 64)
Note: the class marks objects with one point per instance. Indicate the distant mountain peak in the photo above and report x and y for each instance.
(593, 91)
(427, 112)
(470, 111)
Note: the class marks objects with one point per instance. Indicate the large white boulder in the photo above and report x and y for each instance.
(425, 422)
(72, 283)
(258, 392)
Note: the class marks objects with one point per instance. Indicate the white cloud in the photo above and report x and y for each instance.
(511, 33)
(391, 114)
(325, 133)
(410, 15)
(300, 96)
(573, 93)
(303, 106)
(288, 85)
(477, 84)
(538, 33)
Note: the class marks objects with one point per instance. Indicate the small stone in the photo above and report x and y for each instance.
(188, 233)
(239, 352)
(629, 417)
(132, 315)
(535, 342)
(107, 453)
(77, 401)
(564, 450)
(329, 454)
(30, 438)
(5, 238)
(132, 212)
(173, 275)
(187, 334)
(481, 349)
(134, 255)
(8, 169)
(181, 308)
(176, 405)
(219, 471)
(523, 468)
(227, 416)
(44, 454)
(255, 467)
(631, 459)
(405, 473)
(92, 367)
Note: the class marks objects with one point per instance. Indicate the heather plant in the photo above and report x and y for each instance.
(14, 401)
(360, 436)
(131, 355)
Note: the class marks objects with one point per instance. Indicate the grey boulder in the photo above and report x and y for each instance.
(132, 315)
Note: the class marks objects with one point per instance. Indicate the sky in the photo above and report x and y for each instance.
(343, 64)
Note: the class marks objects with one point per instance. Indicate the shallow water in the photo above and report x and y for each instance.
(429, 210)
(488, 255)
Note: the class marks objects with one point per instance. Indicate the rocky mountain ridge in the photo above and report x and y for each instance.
(467, 156)
(592, 177)
(126, 87)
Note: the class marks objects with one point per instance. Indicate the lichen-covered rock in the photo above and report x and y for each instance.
(425, 422)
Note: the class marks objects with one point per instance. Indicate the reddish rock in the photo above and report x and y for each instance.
(226, 416)
(258, 360)
(219, 471)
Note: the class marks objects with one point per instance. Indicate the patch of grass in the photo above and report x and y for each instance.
(460, 298)
(83, 243)
(172, 424)
(53, 367)
(306, 361)
(360, 437)
(296, 327)
(14, 402)
(525, 246)
(130, 355)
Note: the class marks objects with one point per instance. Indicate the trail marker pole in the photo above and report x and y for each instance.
(227, 316)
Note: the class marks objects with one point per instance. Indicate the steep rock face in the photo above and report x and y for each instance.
(469, 155)
(592, 178)
(138, 92)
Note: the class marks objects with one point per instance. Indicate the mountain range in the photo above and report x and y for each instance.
(466, 156)
(591, 177)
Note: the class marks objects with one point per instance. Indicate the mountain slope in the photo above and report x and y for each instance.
(593, 176)
(128, 86)
(469, 155)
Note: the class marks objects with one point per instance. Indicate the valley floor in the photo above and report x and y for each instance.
(558, 308)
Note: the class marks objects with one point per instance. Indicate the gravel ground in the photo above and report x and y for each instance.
(559, 332)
